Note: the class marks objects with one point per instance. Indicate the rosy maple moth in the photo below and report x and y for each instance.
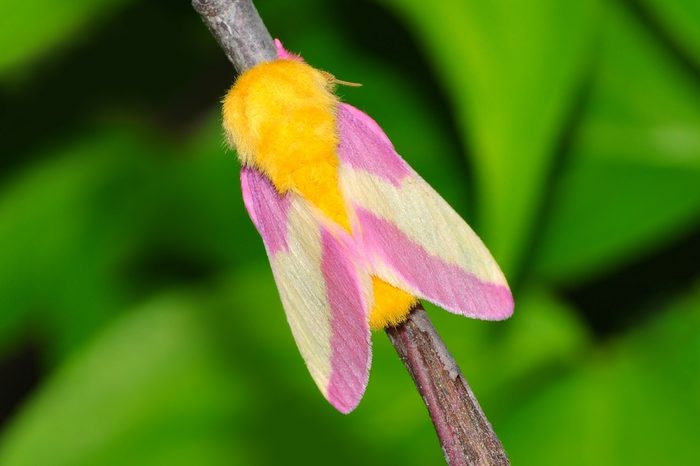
(354, 236)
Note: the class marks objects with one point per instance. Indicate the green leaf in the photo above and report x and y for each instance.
(681, 19)
(65, 222)
(90, 222)
(30, 28)
(195, 203)
(153, 389)
(632, 180)
(633, 402)
(512, 70)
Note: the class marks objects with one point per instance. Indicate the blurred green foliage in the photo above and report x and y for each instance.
(139, 323)
(32, 28)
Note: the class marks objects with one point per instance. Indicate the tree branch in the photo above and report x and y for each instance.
(239, 30)
(463, 430)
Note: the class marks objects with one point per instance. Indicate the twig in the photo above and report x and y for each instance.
(237, 27)
(464, 432)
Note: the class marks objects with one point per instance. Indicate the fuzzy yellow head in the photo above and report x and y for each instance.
(280, 117)
(278, 100)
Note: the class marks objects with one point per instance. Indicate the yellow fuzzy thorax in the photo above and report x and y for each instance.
(281, 118)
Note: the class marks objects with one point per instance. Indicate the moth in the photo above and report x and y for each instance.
(354, 236)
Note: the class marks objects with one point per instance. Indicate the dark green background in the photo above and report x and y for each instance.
(139, 323)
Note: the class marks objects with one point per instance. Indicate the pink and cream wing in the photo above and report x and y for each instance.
(321, 287)
(410, 235)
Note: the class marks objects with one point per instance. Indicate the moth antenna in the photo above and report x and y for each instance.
(331, 78)
(346, 83)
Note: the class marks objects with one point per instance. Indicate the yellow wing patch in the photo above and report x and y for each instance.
(280, 116)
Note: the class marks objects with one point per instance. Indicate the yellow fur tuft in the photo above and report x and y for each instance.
(280, 116)
(391, 305)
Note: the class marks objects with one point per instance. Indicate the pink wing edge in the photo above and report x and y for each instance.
(364, 146)
(350, 343)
